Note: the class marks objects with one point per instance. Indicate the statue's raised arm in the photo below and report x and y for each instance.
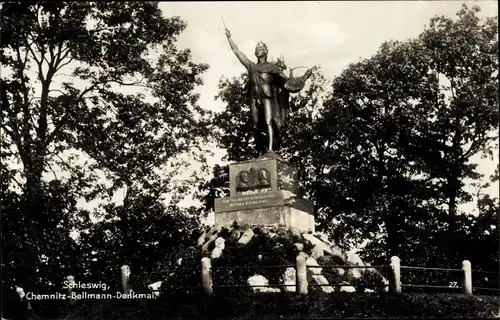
(243, 59)
(268, 90)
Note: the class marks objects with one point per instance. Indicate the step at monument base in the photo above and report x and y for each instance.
(277, 216)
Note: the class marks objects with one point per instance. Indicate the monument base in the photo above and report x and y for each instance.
(277, 216)
(264, 192)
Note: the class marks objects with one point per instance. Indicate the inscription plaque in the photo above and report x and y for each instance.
(250, 201)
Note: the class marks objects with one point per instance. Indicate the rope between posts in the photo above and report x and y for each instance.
(489, 289)
(425, 268)
(348, 285)
(487, 272)
(252, 286)
(428, 286)
(349, 267)
(254, 267)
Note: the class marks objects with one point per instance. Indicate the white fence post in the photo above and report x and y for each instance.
(24, 304)
(125, 277)
(396, 274)
(206, 275)
(301, 278)
(70, 280)
(467, 277)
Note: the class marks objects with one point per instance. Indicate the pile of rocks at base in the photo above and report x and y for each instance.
(260, 246)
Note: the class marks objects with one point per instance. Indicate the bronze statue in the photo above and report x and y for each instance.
(268, 92)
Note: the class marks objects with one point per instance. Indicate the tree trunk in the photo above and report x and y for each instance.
(452, 194)
(452, 197)
(392, 244)
(390, 220)
(124, 224)
(32, 208)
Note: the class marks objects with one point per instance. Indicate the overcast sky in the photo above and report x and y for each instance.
(331, 34)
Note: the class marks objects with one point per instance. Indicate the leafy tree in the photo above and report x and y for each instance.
(216, 187)
(57, 249)
(407, 147)
(370, 184)
(463, 55)
(234, 124)
(69, 77)
(147, 232)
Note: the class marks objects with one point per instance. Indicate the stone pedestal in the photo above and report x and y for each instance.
(263, 192)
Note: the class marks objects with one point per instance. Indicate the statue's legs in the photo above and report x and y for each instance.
(259, 139)
(268, 118)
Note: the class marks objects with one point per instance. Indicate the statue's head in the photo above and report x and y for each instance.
(261, 50)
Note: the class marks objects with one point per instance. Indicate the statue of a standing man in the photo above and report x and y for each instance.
(268, 93)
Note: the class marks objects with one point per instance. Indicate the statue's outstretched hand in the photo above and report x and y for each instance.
(309, 72)
(228, 33)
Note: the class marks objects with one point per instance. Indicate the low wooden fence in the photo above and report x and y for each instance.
(396, 284)
(395, 280)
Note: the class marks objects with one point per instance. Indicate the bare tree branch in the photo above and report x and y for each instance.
(39, 63)
(52, 170)
(64, 64)
(19, 184)
(61, 57)
(22, 66)
(68, 166)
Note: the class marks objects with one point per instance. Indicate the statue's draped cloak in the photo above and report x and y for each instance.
(278, 95)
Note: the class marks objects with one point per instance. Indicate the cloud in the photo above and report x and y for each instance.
(326, 34)
(312, 38)
(248, 46)
(210, 46)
